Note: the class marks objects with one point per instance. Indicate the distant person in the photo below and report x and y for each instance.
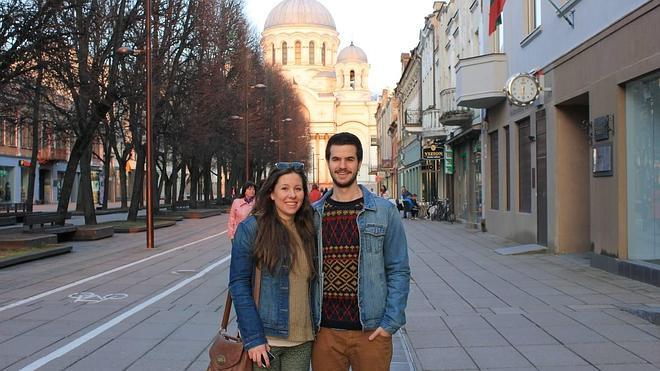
(383, 192)
(315, 194)
(405, 193)
(241, 208)
(414, 209)
(7, 192)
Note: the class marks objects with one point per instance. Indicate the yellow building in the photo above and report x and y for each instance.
(301, 38)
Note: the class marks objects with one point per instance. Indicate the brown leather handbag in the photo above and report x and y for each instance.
(227, 352)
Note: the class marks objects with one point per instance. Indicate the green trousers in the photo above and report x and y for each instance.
(296, 358)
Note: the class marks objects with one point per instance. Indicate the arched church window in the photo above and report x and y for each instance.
(352, 79)
(311, 52)
(272, 51)
(298, 52)
(323, 55)
(285, 53)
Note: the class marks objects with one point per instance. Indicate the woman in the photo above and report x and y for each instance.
(241, 208)
(383, 192)
(279, 240)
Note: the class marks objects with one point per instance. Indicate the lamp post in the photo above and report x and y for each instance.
(279, 137)
(247, 138)
(150, 163)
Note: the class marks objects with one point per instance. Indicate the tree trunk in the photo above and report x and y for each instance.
(107, 157)
(86, 186)
(138, 189)
(35, 141)
(182, 188)
(194, 183)
(123, 186)
(70, 176)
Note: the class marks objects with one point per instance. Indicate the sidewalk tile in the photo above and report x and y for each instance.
(619, 333)
(629, 367)
(551, 355)
(507, 320)
(648, 350)
(574, 334)
(497, 357)
(604, 353)
(434, 339)
(445, 359)
(527, 336)
(552, 318)
(466, 321)
(573, 368)
(479, 338)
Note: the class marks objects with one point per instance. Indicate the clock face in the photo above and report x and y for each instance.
(523, 89)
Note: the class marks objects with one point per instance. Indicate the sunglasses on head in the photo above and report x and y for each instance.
(297, 166)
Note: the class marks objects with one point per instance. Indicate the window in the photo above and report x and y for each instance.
(323, 54)
(284, 53)
(272, 54)
(10, 134)
(494, 172)
(352, 79)
(533, 15)
(524, 167)
(311, 52)
(507, 164)
(298, 50)
(2, 134)
(26, 137)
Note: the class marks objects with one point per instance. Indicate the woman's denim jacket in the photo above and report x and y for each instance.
(272, 318)
(383, 269)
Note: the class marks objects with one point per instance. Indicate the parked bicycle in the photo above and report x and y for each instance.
(441, 210)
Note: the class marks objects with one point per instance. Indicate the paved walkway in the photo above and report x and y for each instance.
(470, 308)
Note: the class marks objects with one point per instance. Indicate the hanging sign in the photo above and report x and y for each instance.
(449, 160)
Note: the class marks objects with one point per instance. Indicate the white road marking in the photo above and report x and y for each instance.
(108, 325)
(70, 285)
(90, 297)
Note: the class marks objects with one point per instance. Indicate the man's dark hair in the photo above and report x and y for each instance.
(341, 139)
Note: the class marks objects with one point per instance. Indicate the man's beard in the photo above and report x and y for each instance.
(346, 184)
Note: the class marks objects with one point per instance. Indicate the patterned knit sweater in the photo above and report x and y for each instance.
(341, 252)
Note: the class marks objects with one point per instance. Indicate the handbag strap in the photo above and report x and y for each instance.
(255, 294)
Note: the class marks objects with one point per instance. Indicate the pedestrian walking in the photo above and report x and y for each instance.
(365, 271)
(315, 194)
(241, 208)
(278, 239)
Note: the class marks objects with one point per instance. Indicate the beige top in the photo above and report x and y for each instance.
(300, 317)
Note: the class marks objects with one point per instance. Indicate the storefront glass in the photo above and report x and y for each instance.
(643, 165)
(6, 188)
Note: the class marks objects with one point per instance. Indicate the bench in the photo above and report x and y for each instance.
(51, 223)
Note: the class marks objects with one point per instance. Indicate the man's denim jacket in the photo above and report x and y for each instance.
(272, 318)
(383, 269)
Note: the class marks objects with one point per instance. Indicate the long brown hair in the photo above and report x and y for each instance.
(272, 244)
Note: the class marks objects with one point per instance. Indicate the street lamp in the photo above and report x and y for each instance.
(150, 163)
(247, 112)
(279, 137)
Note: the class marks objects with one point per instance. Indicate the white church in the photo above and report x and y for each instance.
(300, 38)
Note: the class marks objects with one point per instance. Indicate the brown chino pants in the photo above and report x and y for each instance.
(337, 350)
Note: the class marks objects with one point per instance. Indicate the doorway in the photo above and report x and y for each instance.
(573, 176)
(541, 180)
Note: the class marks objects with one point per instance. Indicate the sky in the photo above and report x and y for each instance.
(382, 28)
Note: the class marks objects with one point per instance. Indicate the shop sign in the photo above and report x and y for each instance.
(3, 173)
(433, 152)
(24, 163)
(449, 160)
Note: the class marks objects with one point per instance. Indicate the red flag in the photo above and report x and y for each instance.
(495, 15)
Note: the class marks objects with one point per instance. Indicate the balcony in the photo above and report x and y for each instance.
(413, 121)
(451, 114)
(52, 154)
(480, 80)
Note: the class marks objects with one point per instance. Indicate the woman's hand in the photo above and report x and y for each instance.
(258, 353)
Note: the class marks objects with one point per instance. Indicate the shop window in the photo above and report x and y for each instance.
(311, 52)
(524, 167)
(298, 51)
(642, 141)
(494, 171)
(285, 53)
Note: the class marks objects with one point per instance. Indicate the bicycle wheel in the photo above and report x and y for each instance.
(451, 217)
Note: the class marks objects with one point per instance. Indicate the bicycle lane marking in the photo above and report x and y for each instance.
(70, 285)
(115, 321)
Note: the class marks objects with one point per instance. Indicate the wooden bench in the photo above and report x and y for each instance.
(51, 223)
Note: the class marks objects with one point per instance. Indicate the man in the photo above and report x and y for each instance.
(363, 258)
(406, 199)
(315, 194)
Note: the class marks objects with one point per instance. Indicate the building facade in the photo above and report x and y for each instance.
(300, 38)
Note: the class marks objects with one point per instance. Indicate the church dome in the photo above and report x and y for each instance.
(300, 12)
(352, 53)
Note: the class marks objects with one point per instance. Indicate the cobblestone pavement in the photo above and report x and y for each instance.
(470, 308)
(114, 305)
